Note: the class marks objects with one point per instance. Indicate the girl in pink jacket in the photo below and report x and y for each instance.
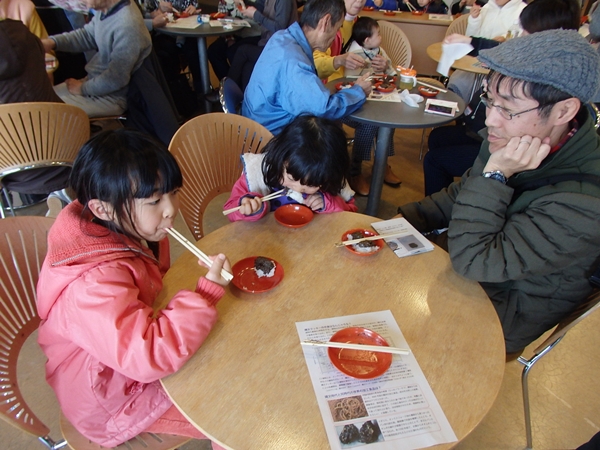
(107, 253)
(309, 158)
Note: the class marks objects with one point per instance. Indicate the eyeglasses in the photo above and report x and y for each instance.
(505, 113)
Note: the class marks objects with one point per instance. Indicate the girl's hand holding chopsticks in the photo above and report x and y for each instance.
(219, 263)
(251, 205)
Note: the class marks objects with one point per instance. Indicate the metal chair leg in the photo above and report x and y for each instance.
(6, 194)
(422, 142)
(528, 364)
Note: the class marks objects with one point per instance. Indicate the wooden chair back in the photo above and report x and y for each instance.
(458, 25)
(395, 43)
(34, 135)
(208, 150)
(22, 251)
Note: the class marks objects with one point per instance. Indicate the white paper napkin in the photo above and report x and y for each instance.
(450, 53)
(410, 99)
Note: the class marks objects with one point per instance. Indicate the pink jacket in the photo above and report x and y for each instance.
(251, 184)
(106, 351)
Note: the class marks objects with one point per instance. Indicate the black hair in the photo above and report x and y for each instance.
(313, 151)
(118, 166)
(362, 29)
(540, 15)
(315, 10)
(546, 96)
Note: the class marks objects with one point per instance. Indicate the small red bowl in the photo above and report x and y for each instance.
(418, 13)
(361, 364)
(183, 15)
(293, 215)
(215, 16)
(428, 92)
(378, 244)
(344, 85)
(379, 87)
(369, 8)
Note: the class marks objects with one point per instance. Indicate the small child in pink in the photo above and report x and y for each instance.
(309, 159)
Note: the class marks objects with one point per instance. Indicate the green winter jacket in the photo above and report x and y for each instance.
(533, 255)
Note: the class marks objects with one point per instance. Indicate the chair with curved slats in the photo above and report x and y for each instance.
(395, 43)
(585, 309)
(458, 25)
(208, 149)
(39, 135)
(23, 245)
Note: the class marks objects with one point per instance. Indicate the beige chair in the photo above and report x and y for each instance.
(458, 25)
(208, 150)
(585, 309)
(395, 43)
(39, 135)
(23, 245)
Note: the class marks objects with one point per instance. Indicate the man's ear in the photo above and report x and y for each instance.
(324, 23)
(100, 209)
(565, 110)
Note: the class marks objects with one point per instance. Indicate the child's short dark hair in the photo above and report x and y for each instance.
(313, 151)
(118, 166)
(363, 29)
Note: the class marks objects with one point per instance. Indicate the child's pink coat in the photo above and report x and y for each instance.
(106, 351)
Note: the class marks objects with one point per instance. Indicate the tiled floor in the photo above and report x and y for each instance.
(564, 385)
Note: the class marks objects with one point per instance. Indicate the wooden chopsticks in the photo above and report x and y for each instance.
(432, 86)
(271, 196)
(368, 238)
(196, 251)
(370, 348)
(410, 6)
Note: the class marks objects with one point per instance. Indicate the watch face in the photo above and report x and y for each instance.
(495, 176)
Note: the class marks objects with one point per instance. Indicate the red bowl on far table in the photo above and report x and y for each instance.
(379, 86)
(428, 92)
(389, 13)
(418, 13)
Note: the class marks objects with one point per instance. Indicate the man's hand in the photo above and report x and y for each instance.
(249, 12)
(48, 44)
(191, 10)
(379, 64)
(475, 11)
(74, 86)
(520, 154)
(159, 19)
(349, 60)
(456, 38)
(365, 83)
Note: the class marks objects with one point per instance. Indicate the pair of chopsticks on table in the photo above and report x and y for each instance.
(368, 238)
(271, 196)
(432, 86)
(348, 346)
(196, 251)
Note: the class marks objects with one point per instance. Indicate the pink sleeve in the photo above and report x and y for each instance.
(107, 320)
(239, 191)
(337, 204)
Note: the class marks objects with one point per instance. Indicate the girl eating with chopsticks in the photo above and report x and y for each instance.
(107, 253)
(306, 163)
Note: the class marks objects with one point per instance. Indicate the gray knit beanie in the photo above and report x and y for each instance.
(560, 58)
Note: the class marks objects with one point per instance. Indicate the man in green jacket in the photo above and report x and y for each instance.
(524, 221)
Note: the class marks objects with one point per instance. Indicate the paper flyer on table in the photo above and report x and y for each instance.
(399, 403)
(190, 22)
(410, 243)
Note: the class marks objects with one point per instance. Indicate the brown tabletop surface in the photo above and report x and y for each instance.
(466, 63)
(248, 386)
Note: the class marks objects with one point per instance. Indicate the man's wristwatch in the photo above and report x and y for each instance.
(495, 175)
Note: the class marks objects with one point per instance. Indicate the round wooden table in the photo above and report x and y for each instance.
(390, 115)
(200, 33)
(248, 386)
(466, 63)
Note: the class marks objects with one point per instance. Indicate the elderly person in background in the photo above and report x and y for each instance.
(122, 41)
(285, 83)
(523, 221)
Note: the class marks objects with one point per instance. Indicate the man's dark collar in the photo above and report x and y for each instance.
(117, 7)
